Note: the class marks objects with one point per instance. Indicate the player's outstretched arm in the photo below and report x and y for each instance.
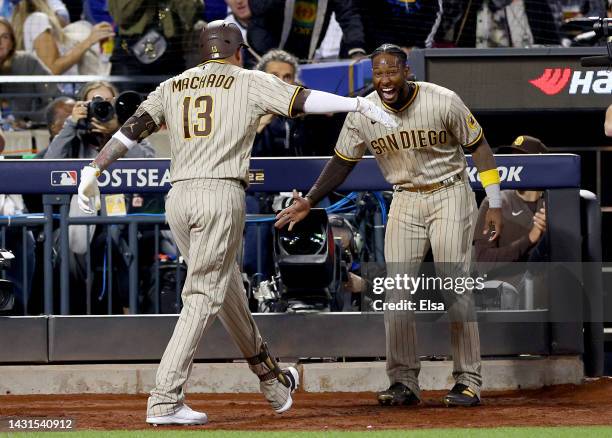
(334, 173)
(137, 127)
(320, 102)
(489, 177)
(608, 123)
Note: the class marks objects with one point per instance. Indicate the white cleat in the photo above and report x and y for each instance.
(278, 394)
(185, 415)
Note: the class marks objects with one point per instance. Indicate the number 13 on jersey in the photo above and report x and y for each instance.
(201, 125)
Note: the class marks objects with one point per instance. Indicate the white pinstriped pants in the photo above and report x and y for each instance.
(207, 219)
(443, 220)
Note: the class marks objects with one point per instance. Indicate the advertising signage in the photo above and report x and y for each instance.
(519, 79)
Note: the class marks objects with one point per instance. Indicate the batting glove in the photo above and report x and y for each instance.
(89, 192)
(375, 113)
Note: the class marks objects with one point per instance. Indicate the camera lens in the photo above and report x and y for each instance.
(303, 243)
(126, 105)
(101, 109)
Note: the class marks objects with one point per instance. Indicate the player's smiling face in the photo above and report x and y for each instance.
(389, 76)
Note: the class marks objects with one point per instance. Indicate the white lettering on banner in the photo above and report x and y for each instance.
(142, 177)
(603, 85)
(583, 83)
(153, 177)
(166, 178)
(134, 178)
(129, 173)
(512, 173)
(579, 81)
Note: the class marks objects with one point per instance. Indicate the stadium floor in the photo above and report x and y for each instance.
(565, 405)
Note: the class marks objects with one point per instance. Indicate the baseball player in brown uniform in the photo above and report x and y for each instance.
(212, 112)
(433, 207)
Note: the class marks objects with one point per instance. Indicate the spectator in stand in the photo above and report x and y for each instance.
(406, 24)
(78, 140)
(37, 30)
(57, 6)
(56, 114)
(279, 136)
(299, 26)
(524, 238)
(144, 26)
(497, 23)
(86, 140)
(14, 62)
(300, 136)
(240, 15)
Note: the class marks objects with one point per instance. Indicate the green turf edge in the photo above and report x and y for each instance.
(552, 432)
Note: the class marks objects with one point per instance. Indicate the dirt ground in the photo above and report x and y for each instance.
(566, 405)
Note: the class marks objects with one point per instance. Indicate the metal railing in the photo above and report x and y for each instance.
(57, 255)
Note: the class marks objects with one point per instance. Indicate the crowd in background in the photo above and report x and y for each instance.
(160, 37)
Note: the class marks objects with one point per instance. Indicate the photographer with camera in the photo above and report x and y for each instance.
(96, 116)
(93, 121)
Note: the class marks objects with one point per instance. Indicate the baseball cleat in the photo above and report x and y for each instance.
(397, 394)
(461, 395)
(278, 394)
(185, 416)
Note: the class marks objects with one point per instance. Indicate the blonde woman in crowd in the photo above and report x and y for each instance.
(38, 30)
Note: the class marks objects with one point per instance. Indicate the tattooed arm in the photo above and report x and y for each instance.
(136, 128)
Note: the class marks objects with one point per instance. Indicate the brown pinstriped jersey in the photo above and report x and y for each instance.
(212, 112)
(425, 148)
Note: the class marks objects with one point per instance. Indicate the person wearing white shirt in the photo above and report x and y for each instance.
(38, 30)
(57, 6)
(240, 15)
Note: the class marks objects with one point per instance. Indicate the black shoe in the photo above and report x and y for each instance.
(461, 395)
(397, 394)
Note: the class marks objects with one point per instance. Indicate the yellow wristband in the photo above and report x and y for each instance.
(489, 177)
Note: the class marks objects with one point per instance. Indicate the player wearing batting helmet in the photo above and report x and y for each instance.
(433, 207)
(212, 112)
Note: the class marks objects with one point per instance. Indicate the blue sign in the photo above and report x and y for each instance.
(271, 174)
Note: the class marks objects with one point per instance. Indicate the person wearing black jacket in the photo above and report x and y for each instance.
(299, 26)
(406, 24)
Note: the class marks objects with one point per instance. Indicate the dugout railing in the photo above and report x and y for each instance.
(556, 330)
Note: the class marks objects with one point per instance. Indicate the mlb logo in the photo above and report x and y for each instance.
(64, 178)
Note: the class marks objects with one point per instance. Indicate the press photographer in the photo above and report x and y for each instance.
(97, 115)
